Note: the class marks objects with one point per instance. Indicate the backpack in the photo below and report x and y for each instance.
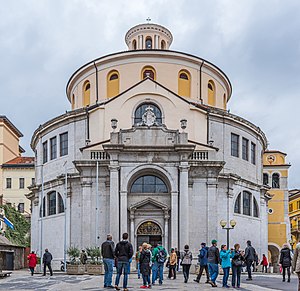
(161, 256)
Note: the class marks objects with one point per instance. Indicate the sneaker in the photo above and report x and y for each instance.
(117, 288)
(195, 280)
(249, 279)
(125, 289)
(143, 287)
(149, 286)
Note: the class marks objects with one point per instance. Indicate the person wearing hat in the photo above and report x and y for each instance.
(202, 259)
(213, 260)
(186, 261)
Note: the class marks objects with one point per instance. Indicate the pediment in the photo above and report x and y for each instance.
(149, 204)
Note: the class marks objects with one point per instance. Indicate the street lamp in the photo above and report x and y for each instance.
(232, 224)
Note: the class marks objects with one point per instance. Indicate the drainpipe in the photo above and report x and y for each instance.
(87, 125)
(97, 93)
(207, 120)
(201, 83)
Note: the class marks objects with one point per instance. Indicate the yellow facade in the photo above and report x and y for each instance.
(86, 94)
(294, 215)
(275, 171)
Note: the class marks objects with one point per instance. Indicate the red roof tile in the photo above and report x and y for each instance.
(20, 161)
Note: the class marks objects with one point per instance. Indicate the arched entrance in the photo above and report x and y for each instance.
(274, 254)
(149, 232)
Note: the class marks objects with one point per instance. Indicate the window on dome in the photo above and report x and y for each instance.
(148, 72)
(211, 94)
(113, 84)
(43, 208)
(237, 205)
(142, 109)
(184, 83)
(163, 45)
(265, 179)
(86, 93)
(148, 43)
(149, 184)
(134, 44)
(275, 181)
(253, 153)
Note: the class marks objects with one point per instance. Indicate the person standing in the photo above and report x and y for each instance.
(202, 258)
(172, 266)
(264, 263)
(107, 252)
(159, 256)
(285, 261)
(226, 264)
(213, 259)
(296, 263)
(249, 258)
(178, 259)
(145, 268)
(186, 261)
(32, 261)
(83, 257)
(137, 260)
(47, 258)
(123, 253)
(237, 263)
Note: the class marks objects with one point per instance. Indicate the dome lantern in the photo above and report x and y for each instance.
(148, 36)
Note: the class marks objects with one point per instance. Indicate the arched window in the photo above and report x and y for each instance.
(148, 43)
(211, 94)
(247, 197)
(51, 203)
(255, 208)
(163, 45)
(43, 208)
(149, 184)
(73, 101)
(265, 179)
(86, 93)
(112, 84)
(148, 71)
(60, 204)
(237, 204)
(184, 83)
(134, 44)
(141, 110)
(275, 181)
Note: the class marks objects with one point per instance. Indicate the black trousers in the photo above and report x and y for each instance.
(49, 267)
(288, 272)
(249, 264)
(31, 270)
(172, 271)
(186, 272)
(201, 272)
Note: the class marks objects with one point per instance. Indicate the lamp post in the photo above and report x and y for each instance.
(232, 224)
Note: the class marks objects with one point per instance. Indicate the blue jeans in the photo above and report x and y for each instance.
(236, 276)
(122, 266)
(138, 270)
(157, 271)
(213, 271)
(108, 268)
(225, 276)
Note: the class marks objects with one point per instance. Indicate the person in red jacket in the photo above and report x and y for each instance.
(32, 261)
(264, 263)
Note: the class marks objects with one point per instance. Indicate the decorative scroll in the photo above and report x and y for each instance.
(149, 228)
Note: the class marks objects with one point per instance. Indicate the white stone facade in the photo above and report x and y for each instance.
(197, 180)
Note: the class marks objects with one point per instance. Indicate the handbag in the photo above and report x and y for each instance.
(237, 263)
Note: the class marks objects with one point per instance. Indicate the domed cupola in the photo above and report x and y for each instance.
(148, 36)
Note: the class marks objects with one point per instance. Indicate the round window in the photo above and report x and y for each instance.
(270, 211)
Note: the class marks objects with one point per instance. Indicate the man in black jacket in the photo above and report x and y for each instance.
(107, 251)
(123, 253)
(47, 258)
(213, 260)
(249, 258)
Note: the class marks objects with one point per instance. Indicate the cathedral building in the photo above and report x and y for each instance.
(148, 148)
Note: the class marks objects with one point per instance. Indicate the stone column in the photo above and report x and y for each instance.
(212, 210)
(174, 219)
(86, 230)
(166, 218)
(123, 212)
(183, 205)
(114, 220)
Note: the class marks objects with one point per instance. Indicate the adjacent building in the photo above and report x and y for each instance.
(275, 176)
(294, 214)
(16, 172)
(148, 148)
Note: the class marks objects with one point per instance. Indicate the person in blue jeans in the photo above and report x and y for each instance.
(107, 252)
(237, 263)
(225, 256)
(123, 253)
(159, 256)
(213, 260)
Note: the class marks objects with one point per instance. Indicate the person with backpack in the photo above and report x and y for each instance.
(123, 253)
(159, 256)
(186, 261)
(286, 262)
(213, 260)
(249, 258)
(202, 259)
(237, 264)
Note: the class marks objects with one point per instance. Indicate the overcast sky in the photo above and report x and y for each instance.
(256, 43)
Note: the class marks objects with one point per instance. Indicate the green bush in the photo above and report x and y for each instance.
(74, 253)
(95, 254)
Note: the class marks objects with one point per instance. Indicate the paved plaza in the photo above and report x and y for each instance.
(21, 280)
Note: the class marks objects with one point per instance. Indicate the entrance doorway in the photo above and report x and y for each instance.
(149, 232)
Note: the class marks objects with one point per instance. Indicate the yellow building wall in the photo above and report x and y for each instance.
(277, 234)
